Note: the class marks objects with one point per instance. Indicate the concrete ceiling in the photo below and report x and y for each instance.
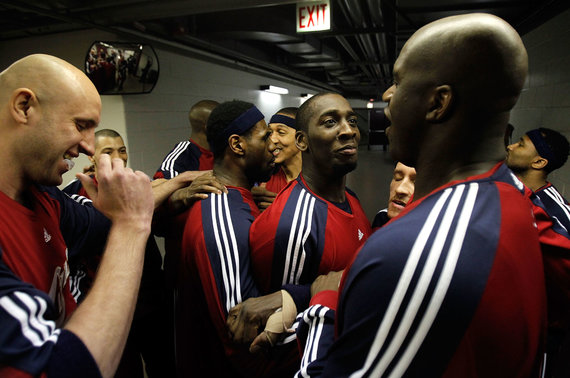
(354, 58)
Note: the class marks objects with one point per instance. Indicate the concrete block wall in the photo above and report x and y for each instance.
(545, 100)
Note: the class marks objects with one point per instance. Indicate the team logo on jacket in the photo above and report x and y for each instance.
(360, 234)
(47, 236)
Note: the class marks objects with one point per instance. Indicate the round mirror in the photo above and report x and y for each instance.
(122, 67)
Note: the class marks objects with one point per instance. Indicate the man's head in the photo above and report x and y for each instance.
(199, 113)
(401, 188)
(456, 78)
(109, 142)
(48, 114)
(237, 131)
(539, 149)
(328, 134)
(283, 129)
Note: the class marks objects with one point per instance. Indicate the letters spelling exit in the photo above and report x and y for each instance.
(313, 16)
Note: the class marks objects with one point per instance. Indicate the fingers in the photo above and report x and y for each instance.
(263, 205)
(88, 185)
(265, 340)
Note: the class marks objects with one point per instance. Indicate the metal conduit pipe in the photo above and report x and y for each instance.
(365, 41)
(344, 43)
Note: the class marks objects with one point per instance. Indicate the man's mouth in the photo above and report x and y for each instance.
(399, 203)
(276, 151)
(348, 150)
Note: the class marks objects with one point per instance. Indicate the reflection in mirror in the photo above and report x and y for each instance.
(122, 67)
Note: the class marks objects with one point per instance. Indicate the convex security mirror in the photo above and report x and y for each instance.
(122, 67)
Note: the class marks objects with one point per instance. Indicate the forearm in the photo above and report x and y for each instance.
(162, 189)
(103, 320)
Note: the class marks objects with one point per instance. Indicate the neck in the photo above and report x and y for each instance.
(12, 182)
(446, 161)
(331, 188)
(292, 167)
(200, 139)
(533, 180)
(230, 174)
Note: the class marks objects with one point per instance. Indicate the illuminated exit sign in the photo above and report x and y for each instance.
(313, 16)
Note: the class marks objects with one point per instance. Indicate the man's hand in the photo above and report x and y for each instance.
(262, 197)
(199, 189)
(330, 281)
(247, 319)
(123, 195)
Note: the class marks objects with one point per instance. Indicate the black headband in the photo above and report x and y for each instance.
(542, 147)
(240, 125)
(286, 120)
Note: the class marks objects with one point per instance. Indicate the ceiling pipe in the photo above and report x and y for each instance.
(355, 14)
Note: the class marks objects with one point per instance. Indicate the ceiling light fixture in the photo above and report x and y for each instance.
(274, 89)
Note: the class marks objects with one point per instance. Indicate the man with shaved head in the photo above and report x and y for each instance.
(454, 286)
(48, 112)
(193, 154)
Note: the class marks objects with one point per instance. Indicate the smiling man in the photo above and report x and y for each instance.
(48, 115)
(316, 224)
(287, 157)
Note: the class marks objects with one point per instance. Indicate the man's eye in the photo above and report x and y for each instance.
(80, 126)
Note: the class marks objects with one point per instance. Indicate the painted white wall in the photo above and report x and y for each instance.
(159, 120)
(545, 100)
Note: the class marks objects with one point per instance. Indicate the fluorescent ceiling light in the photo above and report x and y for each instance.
(370, 105)
(274, 89)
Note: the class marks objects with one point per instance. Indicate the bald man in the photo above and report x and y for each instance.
(401, 193)
(48, 113)
(452, 287)
(193, 154)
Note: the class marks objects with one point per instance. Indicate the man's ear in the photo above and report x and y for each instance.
(236, 144)
(21, 101)
(539, 163)
(440, 104)
(301, 140)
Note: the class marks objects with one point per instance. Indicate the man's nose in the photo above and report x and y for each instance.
(387, 95)
(87, 144)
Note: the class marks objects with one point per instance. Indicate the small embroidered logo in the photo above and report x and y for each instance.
(47, 237)
(360, 234)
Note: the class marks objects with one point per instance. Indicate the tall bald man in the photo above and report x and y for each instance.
(48, 113)
(193, 154)
(453, 287)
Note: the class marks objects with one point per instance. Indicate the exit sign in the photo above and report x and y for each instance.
(313, 16)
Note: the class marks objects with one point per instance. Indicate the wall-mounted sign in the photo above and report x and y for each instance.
(313, 16)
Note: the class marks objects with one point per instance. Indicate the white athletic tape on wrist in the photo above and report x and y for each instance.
(283, 318)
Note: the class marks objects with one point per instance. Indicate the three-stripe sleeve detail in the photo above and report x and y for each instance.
(396, 346)
(29, 312)
(300, 230)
